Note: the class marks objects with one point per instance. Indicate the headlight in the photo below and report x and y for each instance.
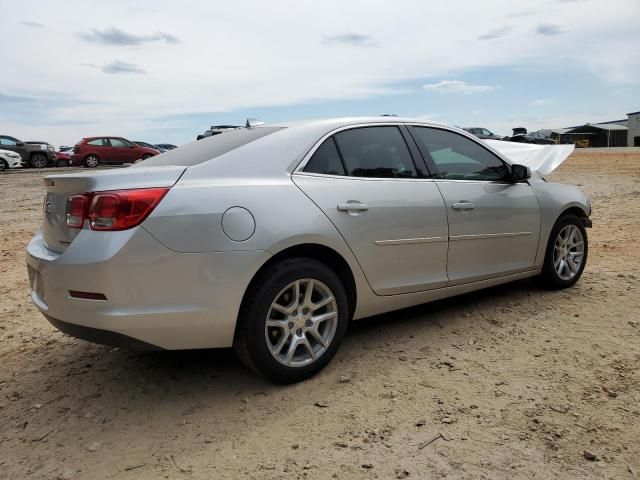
(13, 155)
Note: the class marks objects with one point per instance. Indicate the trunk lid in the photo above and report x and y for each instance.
(57, 236)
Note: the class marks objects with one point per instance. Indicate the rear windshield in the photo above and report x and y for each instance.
(208, 148)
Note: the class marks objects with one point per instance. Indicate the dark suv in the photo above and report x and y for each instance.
(36, 155)
(92, 151)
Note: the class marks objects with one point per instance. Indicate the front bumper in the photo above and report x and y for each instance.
(154, 297)
(14, 162)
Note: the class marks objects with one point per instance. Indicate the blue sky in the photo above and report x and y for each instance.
(538, 98)
(164, 71)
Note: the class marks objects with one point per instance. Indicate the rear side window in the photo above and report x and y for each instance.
(459, 158)
(375, 152)
(97, 142)
(209, 147)
(119, 143)
(326, 160)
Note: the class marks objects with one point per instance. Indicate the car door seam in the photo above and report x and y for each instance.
(446, 212)
(337, 230)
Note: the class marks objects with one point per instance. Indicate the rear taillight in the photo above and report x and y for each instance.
(77, 206)
(113, 210)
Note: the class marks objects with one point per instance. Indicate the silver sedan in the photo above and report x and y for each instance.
(271, 239)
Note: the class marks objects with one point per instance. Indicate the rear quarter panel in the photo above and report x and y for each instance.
(189, 219)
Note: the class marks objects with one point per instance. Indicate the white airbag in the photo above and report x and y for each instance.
(541, 158)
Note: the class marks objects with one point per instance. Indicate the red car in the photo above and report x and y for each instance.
(93, 151)
(63, 159)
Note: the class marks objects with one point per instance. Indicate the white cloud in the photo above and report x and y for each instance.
(541, 102)
(456, 86)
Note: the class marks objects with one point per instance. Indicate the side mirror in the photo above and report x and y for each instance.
(19, 144)
(520, 173)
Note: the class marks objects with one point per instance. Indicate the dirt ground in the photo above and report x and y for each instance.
(512, 382)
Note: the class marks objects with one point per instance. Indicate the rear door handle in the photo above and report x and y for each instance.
(463, 205)
(352, 206)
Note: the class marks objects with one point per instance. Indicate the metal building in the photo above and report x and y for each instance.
(606, 134)
(633, 135)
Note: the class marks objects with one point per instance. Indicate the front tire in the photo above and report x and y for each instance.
(3, 165)
(292, 320)
(38, 160)
(566, 254)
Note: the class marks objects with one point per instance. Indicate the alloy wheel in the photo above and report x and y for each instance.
(568, 252)
(301, 322)
(38, 161)
(91, 161)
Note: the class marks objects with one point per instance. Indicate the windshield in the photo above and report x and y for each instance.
(209, 147)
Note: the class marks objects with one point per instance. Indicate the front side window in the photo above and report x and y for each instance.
(459, 158)
(326, 160)
(375, 152)
(8, 141)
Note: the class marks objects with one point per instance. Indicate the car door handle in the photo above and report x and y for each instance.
(463, 205)
(353, 207)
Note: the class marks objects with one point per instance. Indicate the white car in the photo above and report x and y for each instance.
(9, 159)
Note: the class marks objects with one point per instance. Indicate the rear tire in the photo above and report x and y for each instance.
(285, 333)
(91, 161)
(566, 254)
(38, 160)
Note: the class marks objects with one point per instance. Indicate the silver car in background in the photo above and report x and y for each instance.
(271, 239)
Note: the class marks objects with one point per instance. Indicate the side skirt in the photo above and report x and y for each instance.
(375, 305)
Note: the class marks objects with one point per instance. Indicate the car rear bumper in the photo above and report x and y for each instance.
(102, 337)
(153, 297)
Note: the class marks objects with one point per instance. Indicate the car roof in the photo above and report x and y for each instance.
(349, 121)
(266, 156)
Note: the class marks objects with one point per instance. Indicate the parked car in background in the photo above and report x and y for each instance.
(520, 135)
(93, 151)
(63, 159)
(272, 239)
(34, 154)
(66, 149)
(150, 145)
(9, 159)
(217, 130)
(540, 138)
(50, 148)
(483, 133)
(166, 146)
